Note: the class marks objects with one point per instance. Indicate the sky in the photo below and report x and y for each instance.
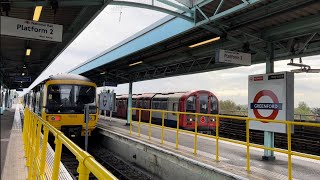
(115, 24)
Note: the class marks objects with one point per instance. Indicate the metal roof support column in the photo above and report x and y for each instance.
(129, 114)
(269, 136)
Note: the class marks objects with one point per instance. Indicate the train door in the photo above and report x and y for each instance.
(214, 109)
(203, 107)
(145, 114)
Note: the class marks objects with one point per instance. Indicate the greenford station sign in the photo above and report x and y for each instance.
(31, 29)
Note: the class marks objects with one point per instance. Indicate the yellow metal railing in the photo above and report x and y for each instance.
(36, 158)
(289, 124)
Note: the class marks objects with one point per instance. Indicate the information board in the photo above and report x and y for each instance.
(233, 57)
(31, 29)
(271, 96)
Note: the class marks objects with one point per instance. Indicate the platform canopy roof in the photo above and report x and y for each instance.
(73, 15)
(268, 29)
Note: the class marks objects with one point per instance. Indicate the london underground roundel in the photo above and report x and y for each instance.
(274, 107)
(203, 120)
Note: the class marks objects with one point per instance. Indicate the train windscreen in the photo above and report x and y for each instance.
(70, 99)
(203, 104)
(214, 105)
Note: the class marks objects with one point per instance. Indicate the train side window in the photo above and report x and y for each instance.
(139, 104)
(133, 103)
(163, 105)
(213, 105)
(191, 104)
(145, 104)
(155, 104)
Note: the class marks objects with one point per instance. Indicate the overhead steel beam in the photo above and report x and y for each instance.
(301, 26)
(30, 4)
(151, 7)
(182, 8)
(203, 3)
(229, 11)
(272, 8)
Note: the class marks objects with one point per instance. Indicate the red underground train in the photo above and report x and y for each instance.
(199, 101)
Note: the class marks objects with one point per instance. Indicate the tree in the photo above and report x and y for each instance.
(231, 108)
(302, 110)
(316, 111)
(228, 105)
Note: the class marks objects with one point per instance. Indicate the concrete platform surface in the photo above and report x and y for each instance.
(14, 167)
(232, 156)
(14, 161)
(6, 120)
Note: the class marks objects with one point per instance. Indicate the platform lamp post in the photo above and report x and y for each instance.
(129, 104)
(269, 136)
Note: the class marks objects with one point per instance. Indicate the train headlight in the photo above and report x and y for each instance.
(54, 118)
(213, 120)
(190, 119)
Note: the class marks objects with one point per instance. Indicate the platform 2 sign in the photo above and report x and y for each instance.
(233, 57)
(271, 96)
(31, 29)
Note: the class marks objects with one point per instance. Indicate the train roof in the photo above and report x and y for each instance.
(65, 76)
(170, 95)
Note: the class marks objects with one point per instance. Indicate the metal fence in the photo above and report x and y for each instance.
(287, 151)
(36, 156)
(297, 117)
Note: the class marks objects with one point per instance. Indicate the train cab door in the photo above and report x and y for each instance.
(203, 108)
(214, 108)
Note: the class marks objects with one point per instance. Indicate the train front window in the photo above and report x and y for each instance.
(203, 104)
(213, 105)
(70, 98)
(191, 104)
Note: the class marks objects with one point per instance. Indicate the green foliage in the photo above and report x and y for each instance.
(303, 112)
(230, 107)
(316, 111)
(303, 108)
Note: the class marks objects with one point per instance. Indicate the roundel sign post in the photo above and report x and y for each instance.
(270, 96)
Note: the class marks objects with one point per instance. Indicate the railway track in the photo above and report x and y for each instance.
(118, 167)
(305, 139)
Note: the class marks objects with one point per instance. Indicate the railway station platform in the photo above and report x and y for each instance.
(232, 157)
(13, 161)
